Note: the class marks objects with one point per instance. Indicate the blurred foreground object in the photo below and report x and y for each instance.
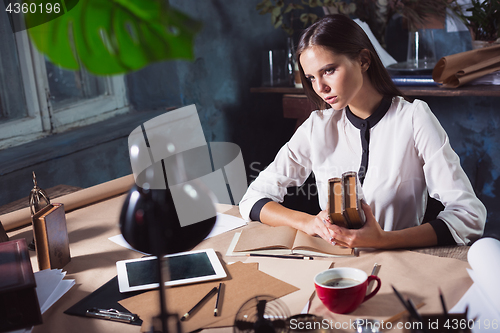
(18, 299)
(112, 37)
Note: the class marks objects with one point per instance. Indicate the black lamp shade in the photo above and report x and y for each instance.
(149, 221)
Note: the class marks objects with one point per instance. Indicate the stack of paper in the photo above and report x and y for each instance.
(50, 286)
(483, 297)
(488, 79)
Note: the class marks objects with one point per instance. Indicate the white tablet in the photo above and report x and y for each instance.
(184, 267)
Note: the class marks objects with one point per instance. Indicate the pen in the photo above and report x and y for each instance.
(414, 312)
(216, 310)
(405, 304)
(375, 270)
(417, 315)
(411, 308)
(283, 256)
(206, 297)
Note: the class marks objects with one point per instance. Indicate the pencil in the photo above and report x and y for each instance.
(443, 304)
(399, 316)
(216, 310)
(207, 296)
(283, 256)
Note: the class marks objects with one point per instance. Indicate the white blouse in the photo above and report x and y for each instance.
(409, 154)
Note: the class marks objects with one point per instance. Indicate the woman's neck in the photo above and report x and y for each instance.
(366, 101)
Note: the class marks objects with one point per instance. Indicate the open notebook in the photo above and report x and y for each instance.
(263, 239)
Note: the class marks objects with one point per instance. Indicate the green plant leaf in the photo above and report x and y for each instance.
(308, 17)
(263, 5)
(276, 17)
(315, 3)
(114, 36)
(329, 3)
(287, 29)
(278, 22)
(292, 6)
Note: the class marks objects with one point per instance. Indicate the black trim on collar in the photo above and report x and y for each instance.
(373, 119)
(364, 126)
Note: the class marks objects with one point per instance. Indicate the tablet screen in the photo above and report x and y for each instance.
(184, 268)
(181, 267)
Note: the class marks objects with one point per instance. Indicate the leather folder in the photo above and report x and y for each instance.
(51, 237)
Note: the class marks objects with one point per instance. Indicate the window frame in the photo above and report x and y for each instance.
(42, 119)
(29, 128)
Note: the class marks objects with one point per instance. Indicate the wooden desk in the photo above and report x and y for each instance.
(94, 257)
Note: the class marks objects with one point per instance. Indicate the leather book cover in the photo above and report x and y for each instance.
(3, 234)
(51, 237)
(19, 306)
(351, 207)
(334, 208)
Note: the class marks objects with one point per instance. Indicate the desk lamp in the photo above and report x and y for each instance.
(150, 222)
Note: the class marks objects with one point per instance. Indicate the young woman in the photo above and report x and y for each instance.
(401, 152)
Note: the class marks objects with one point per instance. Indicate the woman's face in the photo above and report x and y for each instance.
(334, 77)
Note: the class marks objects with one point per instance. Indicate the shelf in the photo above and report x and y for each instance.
(480, 91)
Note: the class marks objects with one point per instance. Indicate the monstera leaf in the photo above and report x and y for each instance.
(112, 36)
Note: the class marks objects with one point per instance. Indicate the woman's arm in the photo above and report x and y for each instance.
(275, 215)
(372, 235)
(464, 213)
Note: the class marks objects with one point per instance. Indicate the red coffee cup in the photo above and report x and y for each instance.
(343, 289)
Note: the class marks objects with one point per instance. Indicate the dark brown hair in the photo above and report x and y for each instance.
(342, 35)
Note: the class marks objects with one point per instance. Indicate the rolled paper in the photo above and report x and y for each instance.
(73, 201)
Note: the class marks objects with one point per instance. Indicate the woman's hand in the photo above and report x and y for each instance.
(370, 235)
(318, 225)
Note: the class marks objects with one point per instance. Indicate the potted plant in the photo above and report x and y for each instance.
(483, 20)
(284, 13)
(293, 16)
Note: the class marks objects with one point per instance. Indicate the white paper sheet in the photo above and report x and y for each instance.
(483, 297)
(50, 286)
(453, 22)
(223, 224)
(46, 282)
(488, 79)
(385, 57)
